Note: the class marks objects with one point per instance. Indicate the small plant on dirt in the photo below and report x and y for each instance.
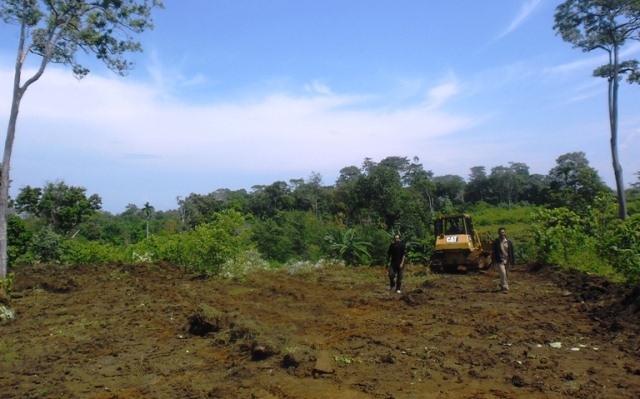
(119, 274)
(302, 267)
(6, 314)
(6, 284)
(242, 264)
(345, 360)
(141, 257)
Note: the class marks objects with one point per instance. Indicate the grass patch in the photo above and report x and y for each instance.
(9, 351)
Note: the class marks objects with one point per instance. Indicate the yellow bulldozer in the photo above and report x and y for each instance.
(458, 246)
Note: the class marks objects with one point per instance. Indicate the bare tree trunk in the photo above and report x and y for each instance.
(18, 92)
(4, 183)
(613, 121)
(6, 158)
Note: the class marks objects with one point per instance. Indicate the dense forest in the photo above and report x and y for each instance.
(568, 217)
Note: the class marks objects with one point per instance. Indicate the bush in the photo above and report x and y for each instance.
(290, 236)
(204, 249)
(238, 267)
(19, 238)
(623, 248)
(90, 252)
(585, 243)
(348, 246)
(561, 240)
(46, 246)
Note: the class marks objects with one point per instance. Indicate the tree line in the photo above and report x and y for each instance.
(301, 220)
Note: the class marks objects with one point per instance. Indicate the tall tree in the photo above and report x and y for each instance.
(148, 211)
(477, 188)
(508, 183)
(605, 25)
(450, 187)
(63, 207)
(574, 184)
(55, 30)
(266, 201)
(309, 194)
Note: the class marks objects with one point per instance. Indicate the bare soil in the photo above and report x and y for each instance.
(154, 331)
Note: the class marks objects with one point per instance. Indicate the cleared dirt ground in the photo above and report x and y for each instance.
(152, 331)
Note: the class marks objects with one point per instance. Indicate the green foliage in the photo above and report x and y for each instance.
(420, 249)
(6, 284)
(378, 241)
(266, 201)
(274, 239)
(204, 249)
(19, 237)
(78, 251)
(63, 207)
(623, 248)
(507, 184)
(561, 239)
(122, 230)
(372, 195)
(566, 239)
(345, 245)
(287, 236)
(46, 246)
(341, 223)
(238, 267)
(574, 184)
(60, 28)
(449, 189)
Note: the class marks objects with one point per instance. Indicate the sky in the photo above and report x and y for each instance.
(239, 93)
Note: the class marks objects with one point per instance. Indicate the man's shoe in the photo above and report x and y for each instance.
(398, 292)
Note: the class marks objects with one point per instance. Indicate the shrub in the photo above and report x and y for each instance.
(243, 263)
(90, 252)
(204, 249)
(19, 237)
(346, 245)
(623, 248)
(561, 240)
(564, 238)
(46, 246)
(290, 236)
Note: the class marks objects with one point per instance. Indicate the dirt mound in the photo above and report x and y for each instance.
(615, 305)
(154, 331)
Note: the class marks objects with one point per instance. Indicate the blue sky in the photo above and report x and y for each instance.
(237, 93)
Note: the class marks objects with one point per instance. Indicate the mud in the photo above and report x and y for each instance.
(154, 331)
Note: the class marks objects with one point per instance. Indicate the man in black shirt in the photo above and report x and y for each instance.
(397, 254)
(503, 256)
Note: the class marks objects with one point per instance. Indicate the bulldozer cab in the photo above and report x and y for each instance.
(454, 225)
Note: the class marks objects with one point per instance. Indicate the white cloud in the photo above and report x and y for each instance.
(317, 87)
(525, 12)
(573, 66)
(130, 123)
(442, 93)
